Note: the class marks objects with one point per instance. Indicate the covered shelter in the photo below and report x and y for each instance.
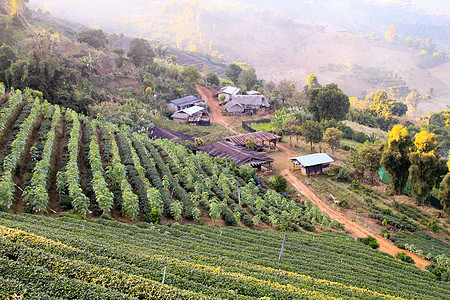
(185, 102)
(251, 103)
(312, 164)
(240, 155)
(234, 108)
(192, 115)
(165, 133)
(262, 139)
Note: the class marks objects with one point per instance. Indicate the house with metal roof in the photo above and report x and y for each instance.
(260, 138)
(228, 91)
(239, 154)
(312, 164)
(249, 104)
(185, 102)
(192, 115)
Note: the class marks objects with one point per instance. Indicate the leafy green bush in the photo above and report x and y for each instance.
(279, 183)
(385, 233)
(370, 241)
(405, 257)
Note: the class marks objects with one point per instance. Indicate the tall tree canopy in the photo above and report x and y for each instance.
(391, 34)
(444, 194)
(248, 78)
(93, 37)
(312, 83)
(328, 103)
(425, 169)
(312, 132)
(395, 157)
(332, 137)
(369, 156)
(233, 71)
(140, 51)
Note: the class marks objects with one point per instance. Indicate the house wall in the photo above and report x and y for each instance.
(235, 109)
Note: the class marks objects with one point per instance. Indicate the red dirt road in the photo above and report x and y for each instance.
(353, 228)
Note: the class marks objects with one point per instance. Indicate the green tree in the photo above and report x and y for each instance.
(190, 74)
(391, 34)
(332, 136)
(278, 182)
(140, 52)
(395, 157)
(212, 79)
(444, 194)
(369, 156)
(233, 71)
(17, 74)
(287, 92)
(312, 132)
(425, 166)
(248, 78)
(93, 37)
(328, 103)
(7, 57)
(250, 143)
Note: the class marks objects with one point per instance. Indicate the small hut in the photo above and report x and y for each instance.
(260, 137)
(312, 164)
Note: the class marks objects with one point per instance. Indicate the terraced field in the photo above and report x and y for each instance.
(44, 258)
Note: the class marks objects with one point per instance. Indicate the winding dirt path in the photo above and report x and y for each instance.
(215, 112)
(353, 228)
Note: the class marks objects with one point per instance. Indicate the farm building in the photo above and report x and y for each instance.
(312, 164)
(192, 115)
(260, 137)
(240, 155)
(247, 104)
(228, 91)
(185, 102)
(252, 92)
(164, 133)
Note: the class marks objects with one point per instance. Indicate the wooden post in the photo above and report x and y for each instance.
(164, 276)
(282, 247)
(239, 195)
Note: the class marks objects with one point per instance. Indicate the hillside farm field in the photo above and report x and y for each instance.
(104, 259)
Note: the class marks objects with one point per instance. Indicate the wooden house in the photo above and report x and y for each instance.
(249, 104)
(312, 164)
(185, 102)
(240, 155)
(192, 115)
(228, 91)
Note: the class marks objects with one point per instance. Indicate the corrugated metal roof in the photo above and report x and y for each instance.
(192, 110)
(231, 90)
(238, 154)
(259, 137)
(231, 104)
(185, 100)
(164, 133)
(252, 92)
(313, 159)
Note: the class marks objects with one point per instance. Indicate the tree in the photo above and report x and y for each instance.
(93, 37)
(233, 71)
(391, 34)
(444, 194)
(425, 166)
(17, 74)
(369, 156)
(278, 182)
(212, 79)
(287, 92)
(312, 83)
(250, 143)
(7, 57)
(395, 157)
(332, 137)
(328, 103)
(140, 51)
(312, 132)
(190, 74)
(248, 78)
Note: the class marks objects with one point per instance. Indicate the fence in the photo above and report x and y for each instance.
(248, 128)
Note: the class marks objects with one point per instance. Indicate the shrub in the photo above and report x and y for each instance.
(343, 176)
(405, 257)
(279, 183)
(154, 216)
(370, 241)
(385, 233)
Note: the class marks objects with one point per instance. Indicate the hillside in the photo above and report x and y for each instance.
(292, 40)
(104, 259)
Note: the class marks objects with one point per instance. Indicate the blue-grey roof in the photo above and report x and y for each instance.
(186, 100)
(192, 110)
(313, 159)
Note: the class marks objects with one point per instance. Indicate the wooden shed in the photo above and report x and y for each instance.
(192, 115)
(228, 91)
(262, 139)
(185, 102)
(312, 164)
